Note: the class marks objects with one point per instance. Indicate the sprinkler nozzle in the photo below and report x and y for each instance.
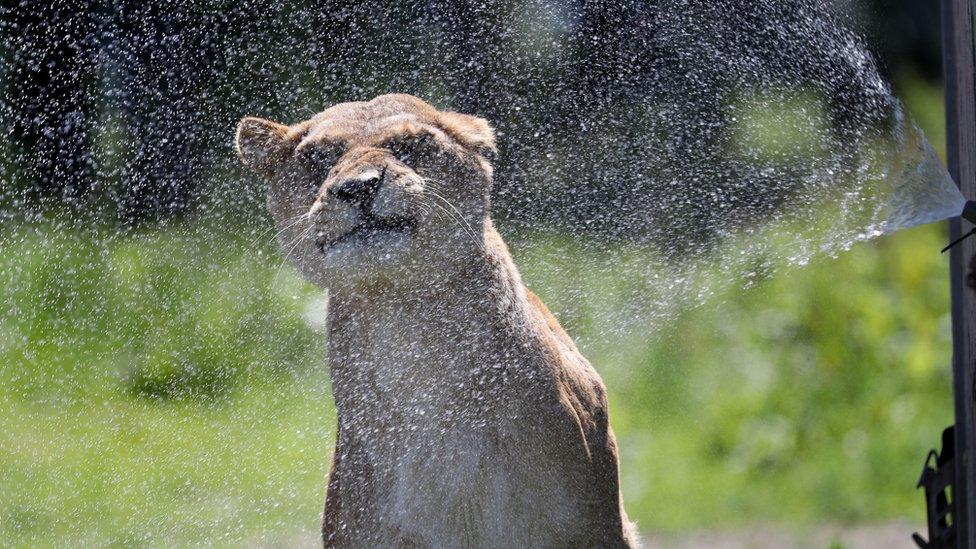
(969, 211)
(969, 214)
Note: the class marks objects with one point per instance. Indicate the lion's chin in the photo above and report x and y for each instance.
(379, 250)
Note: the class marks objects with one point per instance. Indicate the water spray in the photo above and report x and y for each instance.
(969, 214)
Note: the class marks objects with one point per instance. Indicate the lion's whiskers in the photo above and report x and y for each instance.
(457, 216)
(295, 221)
(290, 247)
(288, 224)
(458, 223)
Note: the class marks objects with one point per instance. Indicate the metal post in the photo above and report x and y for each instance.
(960, 103)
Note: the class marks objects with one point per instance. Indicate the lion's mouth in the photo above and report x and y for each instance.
(372, 227)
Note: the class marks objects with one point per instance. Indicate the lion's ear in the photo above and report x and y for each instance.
(474, 133)
(261, 144)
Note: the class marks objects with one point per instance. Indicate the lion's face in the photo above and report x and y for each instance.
(372, 192)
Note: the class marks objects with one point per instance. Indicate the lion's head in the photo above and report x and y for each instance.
(371, 192)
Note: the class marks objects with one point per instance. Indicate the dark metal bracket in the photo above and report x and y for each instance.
(938, 480)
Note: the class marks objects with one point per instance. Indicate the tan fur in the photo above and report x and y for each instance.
(467, 416)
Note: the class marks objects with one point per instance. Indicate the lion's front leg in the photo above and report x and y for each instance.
(347, 516)
(333, 499)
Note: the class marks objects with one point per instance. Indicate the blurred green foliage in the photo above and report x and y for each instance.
(166, 313)
(810, 397)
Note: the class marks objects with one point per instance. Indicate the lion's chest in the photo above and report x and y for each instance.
(468, 484)
(443, 427)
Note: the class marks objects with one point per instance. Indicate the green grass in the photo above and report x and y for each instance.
(163, 387)
(125, 472)
(157, 387)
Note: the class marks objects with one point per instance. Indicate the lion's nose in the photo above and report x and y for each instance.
(360, 190)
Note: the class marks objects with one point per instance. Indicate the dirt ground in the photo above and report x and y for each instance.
(894, 535)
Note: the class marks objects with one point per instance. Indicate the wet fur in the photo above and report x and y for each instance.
(467, 416)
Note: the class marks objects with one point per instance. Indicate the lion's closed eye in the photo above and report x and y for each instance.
(320, 158)
(412, 148)
(317, 162)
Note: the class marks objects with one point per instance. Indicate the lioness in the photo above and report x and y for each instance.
(467, 417)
